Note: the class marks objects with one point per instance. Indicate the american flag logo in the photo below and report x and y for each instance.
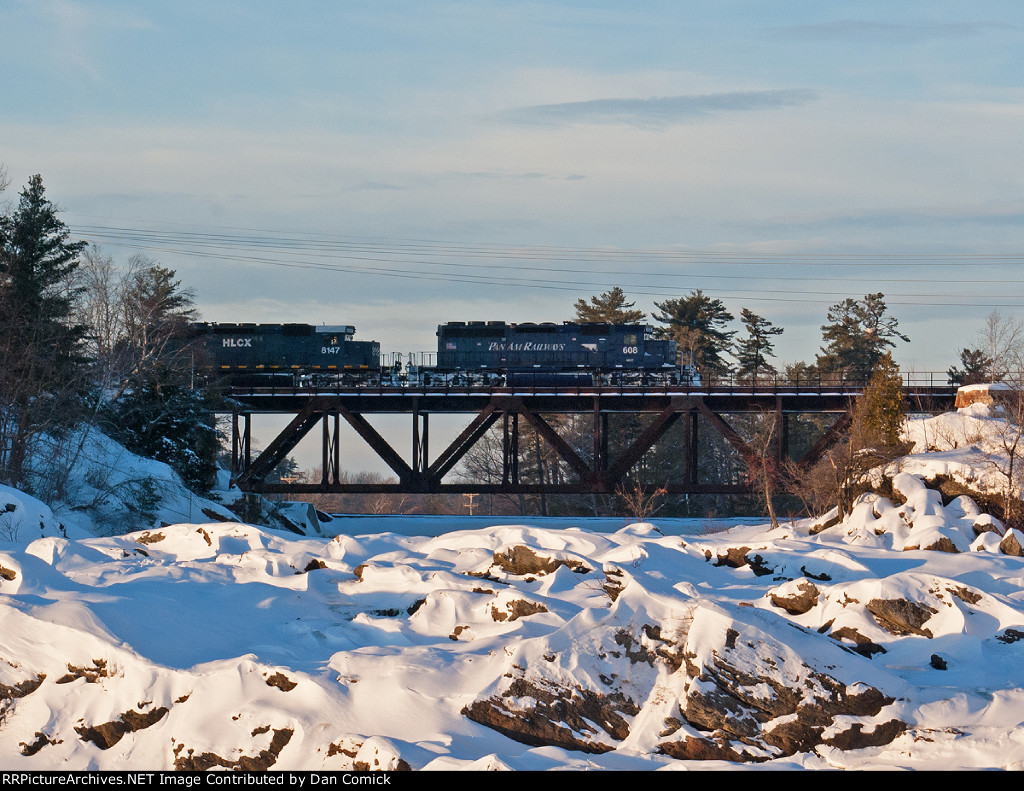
(449, 346)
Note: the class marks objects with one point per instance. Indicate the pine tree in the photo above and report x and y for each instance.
(976, 368)
(857, 335)
(881, 409)
(610, 307)
(40, 346)
(753, 350)
(696, 322)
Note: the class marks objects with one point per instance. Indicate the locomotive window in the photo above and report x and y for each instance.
(629, 339)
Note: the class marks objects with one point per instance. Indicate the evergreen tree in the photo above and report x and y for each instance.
(976, 368)
(857, 336)
(611, 307)
(754, 349)
(881, 409)
(40, 346)
(696, 322)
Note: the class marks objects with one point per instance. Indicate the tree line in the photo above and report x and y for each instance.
(85, 343)
(857, 334)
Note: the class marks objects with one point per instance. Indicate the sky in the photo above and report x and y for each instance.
(395, 165)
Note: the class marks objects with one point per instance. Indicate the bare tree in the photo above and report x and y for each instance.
(764, 471)
(999, 339)
(641, 502)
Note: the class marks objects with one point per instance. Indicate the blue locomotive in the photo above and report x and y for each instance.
(550, 353)
(295, 354)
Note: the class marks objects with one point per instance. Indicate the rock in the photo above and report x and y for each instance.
(938, 662)
(901, 617)
(756, 692)
(520, 560)
(1012, 544)
(943, 544)
(862, 645)
(542, 713)
(803, 598)
(191, 762)
(854, 737)
(107, 734)
(738, 557)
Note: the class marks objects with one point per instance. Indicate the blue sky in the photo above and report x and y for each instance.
(534, 152)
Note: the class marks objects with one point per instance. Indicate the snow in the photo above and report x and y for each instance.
(212, 644)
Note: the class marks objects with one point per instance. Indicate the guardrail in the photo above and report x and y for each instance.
(915, 383)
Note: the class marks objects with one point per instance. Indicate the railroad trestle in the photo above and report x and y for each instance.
(598, 465)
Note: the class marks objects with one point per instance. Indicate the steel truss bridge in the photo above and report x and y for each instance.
(598, 470)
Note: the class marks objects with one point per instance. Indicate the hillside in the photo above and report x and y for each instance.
(219, 644)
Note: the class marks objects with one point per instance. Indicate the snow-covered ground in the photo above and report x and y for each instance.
(524, 646)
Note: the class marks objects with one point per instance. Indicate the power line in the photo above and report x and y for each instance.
(406, 257)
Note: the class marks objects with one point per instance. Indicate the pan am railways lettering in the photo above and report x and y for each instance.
(526, 347)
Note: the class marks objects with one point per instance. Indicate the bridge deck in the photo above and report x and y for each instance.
(377, 400)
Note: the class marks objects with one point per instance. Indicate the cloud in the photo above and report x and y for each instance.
(658, 112)
(1009, 214)
(861, 29)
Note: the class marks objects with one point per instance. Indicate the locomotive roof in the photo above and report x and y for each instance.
(547, 324)
(221, 328)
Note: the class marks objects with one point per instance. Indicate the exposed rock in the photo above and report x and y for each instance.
(799, 602)
(8, 574)
(854, 737)
(190, 762)
(372, 755)
(862, 645)
(734, 557)
(518, 608)
(1010, 636)
(615, 580)
(108, 734)
(753, 697)
(901, 617)
(150, 538)
(1011, 544)
(696, 748)
(965, 594)
(90, 674)
(943, 544)
(738, 557)
(282, 682)
(938, 662)
(314, 564)
(41, 741)
(206, 537)
(521, 560)
(544, 713)
(22, 688)
(456, 632)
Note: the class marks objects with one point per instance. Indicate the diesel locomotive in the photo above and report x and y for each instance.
(475, 352)
(287, 354)
(551, 353)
